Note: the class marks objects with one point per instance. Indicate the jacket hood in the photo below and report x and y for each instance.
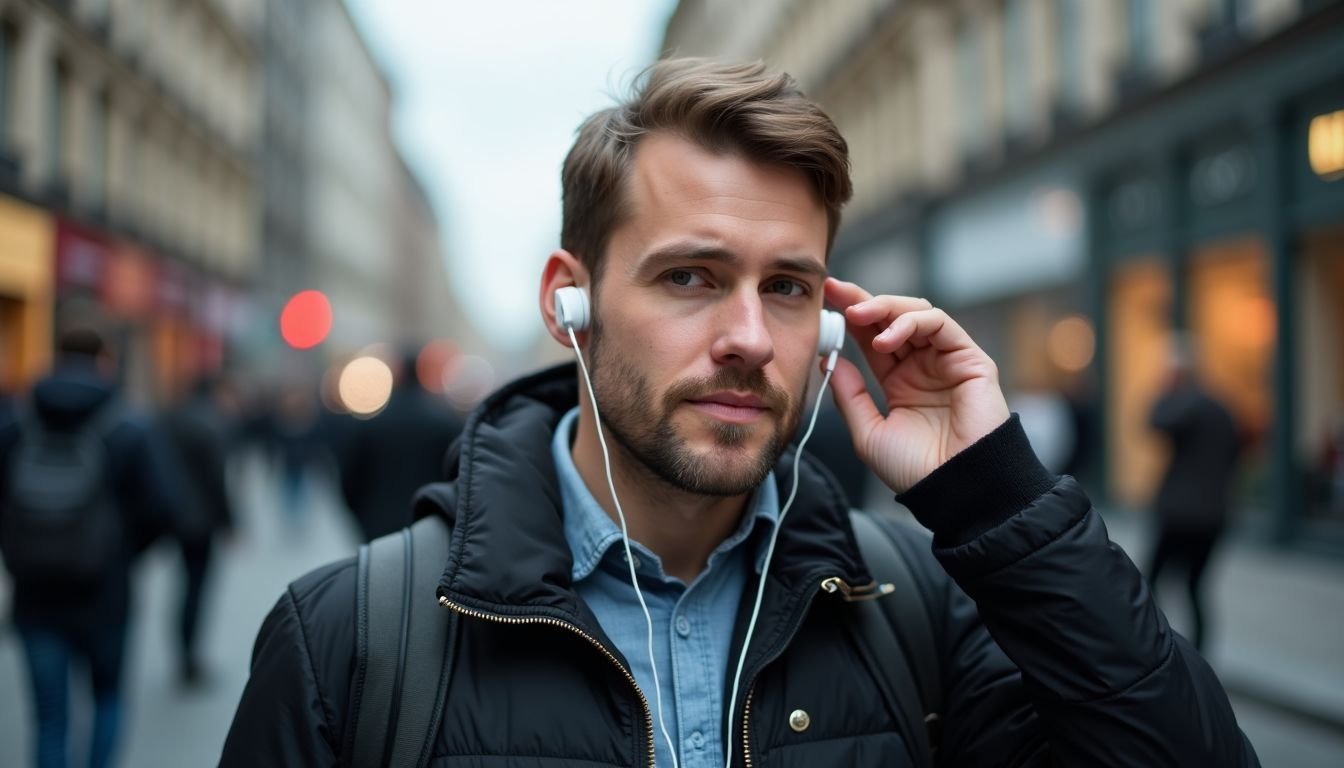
(508, 554)
(70, 395)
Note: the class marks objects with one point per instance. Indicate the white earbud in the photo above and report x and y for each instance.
(571, 308)
(831, 337)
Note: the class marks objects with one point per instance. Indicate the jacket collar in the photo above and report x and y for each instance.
(508, 554)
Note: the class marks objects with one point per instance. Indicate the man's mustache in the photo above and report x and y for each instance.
(753, 382)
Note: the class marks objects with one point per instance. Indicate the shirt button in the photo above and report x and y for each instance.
(683, 626)
(698, 740)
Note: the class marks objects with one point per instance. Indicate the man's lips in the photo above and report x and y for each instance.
(731, 407)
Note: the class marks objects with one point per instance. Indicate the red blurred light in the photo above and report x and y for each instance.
(432, 363)
(305, 320)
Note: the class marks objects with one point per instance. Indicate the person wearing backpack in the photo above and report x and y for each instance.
(627, 565)
(82, 491)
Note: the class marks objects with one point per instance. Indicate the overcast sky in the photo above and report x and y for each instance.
(488, 95)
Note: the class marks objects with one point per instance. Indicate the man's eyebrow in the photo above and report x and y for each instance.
(677, 252)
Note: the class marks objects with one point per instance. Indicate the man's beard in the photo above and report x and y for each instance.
(630, 414)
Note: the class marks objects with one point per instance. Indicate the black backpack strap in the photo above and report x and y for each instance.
(897, 631)
(404, 646)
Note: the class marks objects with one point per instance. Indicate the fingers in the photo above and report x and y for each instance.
(919, 329)
(853, 401)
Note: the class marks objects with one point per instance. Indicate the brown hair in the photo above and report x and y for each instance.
(741, 108)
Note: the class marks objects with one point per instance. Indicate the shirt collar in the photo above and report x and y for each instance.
(592, 534)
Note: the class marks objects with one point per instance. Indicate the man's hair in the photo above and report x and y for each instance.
(731, 108)
(80, 342)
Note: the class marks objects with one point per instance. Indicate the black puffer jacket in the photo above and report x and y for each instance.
(1066, 662)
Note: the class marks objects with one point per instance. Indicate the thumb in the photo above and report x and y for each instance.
(853, 401)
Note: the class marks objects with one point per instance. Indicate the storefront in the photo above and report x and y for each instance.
(25, 294)
(1213, 209)
(1221, 217)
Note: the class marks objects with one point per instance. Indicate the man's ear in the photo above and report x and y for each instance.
(563, 269)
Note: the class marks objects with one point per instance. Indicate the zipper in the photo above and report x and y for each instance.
(746, 724)
(648, 714)
(870, 591)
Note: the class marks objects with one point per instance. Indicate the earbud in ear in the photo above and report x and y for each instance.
(571, 308)
(832, 335)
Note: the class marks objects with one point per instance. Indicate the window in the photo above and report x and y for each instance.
(1140, 29)
(1016, 66)
(1068, 53)
(98, 127)
(8, 39)
(970, 76)
(56, 122)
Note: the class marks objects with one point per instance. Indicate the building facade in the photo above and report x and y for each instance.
(128, 132)
(351, 178)
(286, 261)
(1076, 181)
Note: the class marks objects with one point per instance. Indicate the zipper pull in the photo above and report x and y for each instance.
(870, 591)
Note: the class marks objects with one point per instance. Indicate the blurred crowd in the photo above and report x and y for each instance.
(89, 483)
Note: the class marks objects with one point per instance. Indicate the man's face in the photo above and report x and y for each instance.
(706, 315)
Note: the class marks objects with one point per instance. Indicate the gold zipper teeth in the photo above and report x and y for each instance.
(746, 721)
(648, 713)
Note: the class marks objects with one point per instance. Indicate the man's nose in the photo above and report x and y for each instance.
(742, 337)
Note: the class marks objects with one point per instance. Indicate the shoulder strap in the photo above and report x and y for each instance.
(899, 627)
(404, 646)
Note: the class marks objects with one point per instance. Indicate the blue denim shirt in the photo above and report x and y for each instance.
(692, 625)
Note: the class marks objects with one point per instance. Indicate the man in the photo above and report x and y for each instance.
(1194, 500)
(394, 453)
(71, 453)
(200, 431)
(698, 216)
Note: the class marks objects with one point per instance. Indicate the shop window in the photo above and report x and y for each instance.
(1320, 376)
(1139, 319)
(1233, 324)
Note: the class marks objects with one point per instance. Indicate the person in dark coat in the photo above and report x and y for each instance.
(1194, 499)
(200, 433)
(389, 456)
(64, 623)
(697, 221)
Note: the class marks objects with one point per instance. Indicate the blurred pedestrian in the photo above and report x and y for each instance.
(1194, 499)
(84, 491)
(200, 432)
(390, 455)
(297, 444)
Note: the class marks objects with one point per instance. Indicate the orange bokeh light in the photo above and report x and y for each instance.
(305, 320)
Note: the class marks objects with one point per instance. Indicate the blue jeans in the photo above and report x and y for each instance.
(50, 652)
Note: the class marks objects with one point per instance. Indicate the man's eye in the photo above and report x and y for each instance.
(685, 278)
(788, 287)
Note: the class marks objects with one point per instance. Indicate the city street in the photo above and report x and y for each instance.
(1262, 600)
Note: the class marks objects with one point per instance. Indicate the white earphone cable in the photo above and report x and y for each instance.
(769, 555)
(625, 539)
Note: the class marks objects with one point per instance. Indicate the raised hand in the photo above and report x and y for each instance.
(942, 391)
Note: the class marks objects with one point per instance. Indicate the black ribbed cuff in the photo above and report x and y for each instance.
(989, 482)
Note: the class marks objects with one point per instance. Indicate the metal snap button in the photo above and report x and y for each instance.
(799, 720)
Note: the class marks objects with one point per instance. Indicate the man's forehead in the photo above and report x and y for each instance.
(668, 169)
